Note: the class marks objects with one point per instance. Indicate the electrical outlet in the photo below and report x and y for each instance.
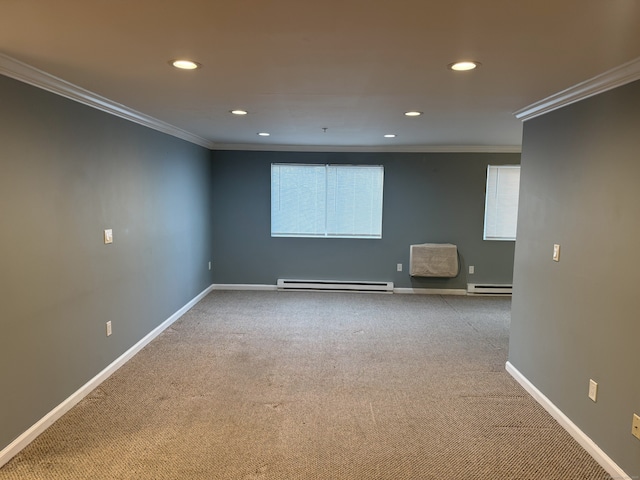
(399, 267)
(472, 269)
(108, 236)
(556, 252)
(593, 390)
(635, 426)
(109, 328)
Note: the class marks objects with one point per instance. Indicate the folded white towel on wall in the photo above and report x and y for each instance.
(434, 260)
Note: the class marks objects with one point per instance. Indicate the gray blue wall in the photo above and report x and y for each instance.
(578, 319)
(67, 172)
(436, 198)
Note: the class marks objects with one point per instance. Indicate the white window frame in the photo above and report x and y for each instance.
(315, 229)
(501, 203)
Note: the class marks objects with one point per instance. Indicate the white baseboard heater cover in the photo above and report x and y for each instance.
(489, 289)
(335, 285)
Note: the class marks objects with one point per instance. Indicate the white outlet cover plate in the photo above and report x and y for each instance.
(635, 428)
(399, 267)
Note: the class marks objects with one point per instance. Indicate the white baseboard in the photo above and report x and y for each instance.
(45, 422)
(431, 291)
(420, 291)
(589, 445)
(243, 286)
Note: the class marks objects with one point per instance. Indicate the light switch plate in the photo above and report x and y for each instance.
(593, 390)
(635, 428)
(556, 252)
(399, 267)
(108, 236)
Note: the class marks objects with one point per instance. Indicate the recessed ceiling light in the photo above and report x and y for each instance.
(264, 134)
(390, 135)
(413, 113)
(239, 112)
(463, 66)
(185, 64)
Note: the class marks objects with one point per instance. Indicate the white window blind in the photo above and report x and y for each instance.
(326, 200)
(501, 203)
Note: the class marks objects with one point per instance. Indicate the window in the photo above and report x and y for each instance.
(339, 201)
(501, 204)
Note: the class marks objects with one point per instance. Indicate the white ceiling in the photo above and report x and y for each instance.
(350, 66)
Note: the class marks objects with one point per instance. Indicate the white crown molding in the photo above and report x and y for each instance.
(370, 149)
(17, 70)
(20, 71)
(616, 77)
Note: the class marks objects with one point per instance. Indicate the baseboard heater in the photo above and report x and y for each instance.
(488, 289)
(335, 285)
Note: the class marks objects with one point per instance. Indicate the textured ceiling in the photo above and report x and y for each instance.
(350, 66)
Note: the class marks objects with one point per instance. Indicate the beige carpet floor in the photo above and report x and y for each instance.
(274, 385)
